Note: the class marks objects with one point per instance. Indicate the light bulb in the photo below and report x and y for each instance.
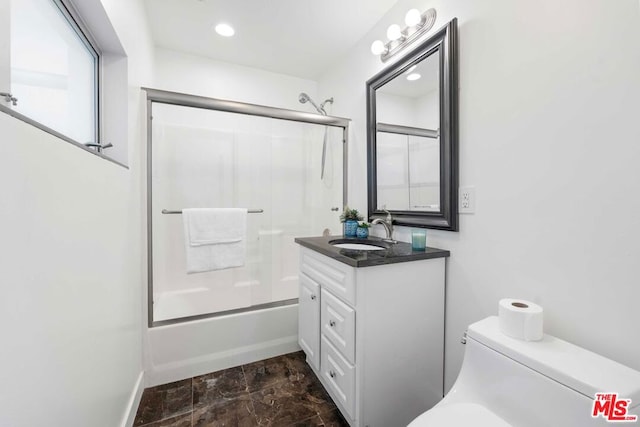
(225, 30)
(414, 76)
(413, 18)
(378, 47)
(394, 32)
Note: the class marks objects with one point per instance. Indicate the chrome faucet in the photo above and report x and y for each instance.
(387, 224)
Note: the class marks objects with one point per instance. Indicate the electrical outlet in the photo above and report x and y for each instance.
(467, 202)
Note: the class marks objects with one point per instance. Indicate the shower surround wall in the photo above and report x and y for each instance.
(204, 158)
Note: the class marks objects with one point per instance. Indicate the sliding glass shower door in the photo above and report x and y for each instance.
(204, 158)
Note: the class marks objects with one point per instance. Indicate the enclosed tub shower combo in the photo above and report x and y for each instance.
(287, 168)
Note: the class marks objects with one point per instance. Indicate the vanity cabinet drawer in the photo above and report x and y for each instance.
(330, 274)
(338, 324)
(339, 375)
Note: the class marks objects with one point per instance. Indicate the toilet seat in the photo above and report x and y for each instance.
(459, 415)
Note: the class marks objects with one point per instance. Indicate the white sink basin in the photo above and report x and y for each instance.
(358, 246)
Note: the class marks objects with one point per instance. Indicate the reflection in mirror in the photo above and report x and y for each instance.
(408, 162)
(408, 172)
(412, 136)
(413, 98)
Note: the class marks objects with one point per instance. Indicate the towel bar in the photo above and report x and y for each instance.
(165, 211)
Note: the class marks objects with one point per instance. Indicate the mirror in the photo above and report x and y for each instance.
(412, 136)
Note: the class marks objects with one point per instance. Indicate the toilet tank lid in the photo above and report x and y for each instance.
(582, 370)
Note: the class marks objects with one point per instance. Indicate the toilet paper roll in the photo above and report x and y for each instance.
(520, 319)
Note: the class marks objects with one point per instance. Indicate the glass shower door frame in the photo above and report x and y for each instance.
(186, 100)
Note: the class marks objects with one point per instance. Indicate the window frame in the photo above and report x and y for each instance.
(74, 20)
(78, 24)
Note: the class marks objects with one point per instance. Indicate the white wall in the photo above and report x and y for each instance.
(549, 106)
(70, 314)
(192, 74)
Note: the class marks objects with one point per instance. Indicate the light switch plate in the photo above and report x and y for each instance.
(467, 200)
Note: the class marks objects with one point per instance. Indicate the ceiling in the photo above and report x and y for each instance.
(301, 38)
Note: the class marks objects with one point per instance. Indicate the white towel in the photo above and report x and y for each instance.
(215, 239)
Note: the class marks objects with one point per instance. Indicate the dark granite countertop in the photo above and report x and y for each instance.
(392, 252)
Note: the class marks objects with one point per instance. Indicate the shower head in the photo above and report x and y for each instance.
(303, 98)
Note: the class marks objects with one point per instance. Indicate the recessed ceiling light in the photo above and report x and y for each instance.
(225, 30)
(414, 76)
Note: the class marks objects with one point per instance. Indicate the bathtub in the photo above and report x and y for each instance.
(183, 350)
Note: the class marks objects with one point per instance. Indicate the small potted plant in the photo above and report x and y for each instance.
(363, 230)
(350, 218)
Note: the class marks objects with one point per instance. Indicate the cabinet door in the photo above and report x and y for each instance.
(309, 319)
(339, 324)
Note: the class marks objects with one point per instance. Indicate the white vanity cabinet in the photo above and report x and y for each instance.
(374, 335)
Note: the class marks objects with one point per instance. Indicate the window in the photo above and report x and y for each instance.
(53, 69)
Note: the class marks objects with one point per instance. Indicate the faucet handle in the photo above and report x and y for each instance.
(389, 219)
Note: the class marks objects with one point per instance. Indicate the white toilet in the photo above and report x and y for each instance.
(509, 382)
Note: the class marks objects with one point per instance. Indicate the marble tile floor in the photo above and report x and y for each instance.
(281, 391)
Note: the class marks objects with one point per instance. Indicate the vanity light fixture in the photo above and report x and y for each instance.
(378, 47)
(394, 32)
(413, 18)
(417, 24)
(225, 30)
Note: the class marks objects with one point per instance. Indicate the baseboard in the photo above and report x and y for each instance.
(134, 402)
(170, 372)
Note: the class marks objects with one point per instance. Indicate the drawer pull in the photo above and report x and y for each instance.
(313, 297)
(332, 323)
(332, 374)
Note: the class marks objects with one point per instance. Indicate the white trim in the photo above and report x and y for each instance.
(134, 402)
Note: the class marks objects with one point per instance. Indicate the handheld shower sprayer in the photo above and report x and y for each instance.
(304, 98)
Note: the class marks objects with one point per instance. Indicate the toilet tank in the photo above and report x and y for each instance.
(541, 383)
